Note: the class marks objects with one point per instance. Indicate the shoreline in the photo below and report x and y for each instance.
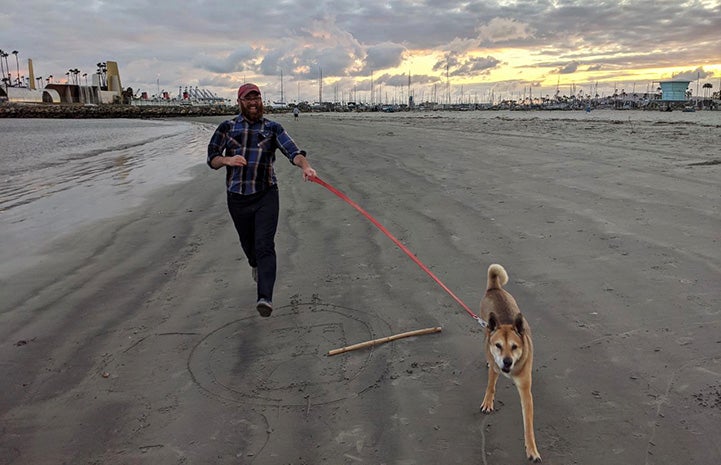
(25, 110)
(15, 110)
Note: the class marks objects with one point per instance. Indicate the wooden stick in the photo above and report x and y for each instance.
(418, 332)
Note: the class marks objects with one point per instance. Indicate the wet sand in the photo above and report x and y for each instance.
(134, 340)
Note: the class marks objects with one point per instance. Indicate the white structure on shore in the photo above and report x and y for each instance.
(109, 92)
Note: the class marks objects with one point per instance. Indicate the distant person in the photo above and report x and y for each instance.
(246, 146)
(296, 112)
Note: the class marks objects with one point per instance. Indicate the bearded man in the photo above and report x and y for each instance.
(246, 146)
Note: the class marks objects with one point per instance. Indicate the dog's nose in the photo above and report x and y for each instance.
(507, 362)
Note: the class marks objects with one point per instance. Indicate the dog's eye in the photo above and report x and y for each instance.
(514, 347)
(499, 345)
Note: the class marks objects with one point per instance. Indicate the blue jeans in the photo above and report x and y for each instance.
(255, 218)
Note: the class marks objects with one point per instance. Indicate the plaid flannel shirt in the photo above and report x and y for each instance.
(257, 142)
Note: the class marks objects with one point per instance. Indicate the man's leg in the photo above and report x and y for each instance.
(242, 211)
(266, 225)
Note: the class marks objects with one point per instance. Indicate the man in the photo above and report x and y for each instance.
(246, 146)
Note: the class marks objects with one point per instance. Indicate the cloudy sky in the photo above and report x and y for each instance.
(470, 49)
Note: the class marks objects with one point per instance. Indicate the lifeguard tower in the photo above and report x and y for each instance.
(674, 91)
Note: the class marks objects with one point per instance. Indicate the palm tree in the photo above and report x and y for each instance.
(17, 64)
(706, 86)
(73, 75)
(7, 66)
(102, 70)
(2, 67)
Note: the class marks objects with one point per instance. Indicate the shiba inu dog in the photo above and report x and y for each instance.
(509, 350)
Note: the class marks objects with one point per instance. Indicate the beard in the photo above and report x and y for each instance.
(245, 110)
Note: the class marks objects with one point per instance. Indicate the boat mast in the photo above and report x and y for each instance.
(282, 99)
(320, 87)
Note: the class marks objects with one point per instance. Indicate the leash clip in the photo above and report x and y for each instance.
(480, 321)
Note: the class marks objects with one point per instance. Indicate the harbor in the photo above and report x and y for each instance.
(102, 95)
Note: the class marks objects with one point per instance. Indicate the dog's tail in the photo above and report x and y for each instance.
(497, 277)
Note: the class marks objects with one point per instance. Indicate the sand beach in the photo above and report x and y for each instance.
(133, 339)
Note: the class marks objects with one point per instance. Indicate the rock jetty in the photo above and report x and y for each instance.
(22, 110)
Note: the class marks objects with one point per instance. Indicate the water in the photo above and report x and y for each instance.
(57, 174)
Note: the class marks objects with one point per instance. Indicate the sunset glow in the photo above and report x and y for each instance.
(466, 48)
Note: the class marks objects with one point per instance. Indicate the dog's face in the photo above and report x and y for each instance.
(506, 342)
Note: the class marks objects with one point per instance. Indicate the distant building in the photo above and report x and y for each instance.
(674, 91)
(25, 95)
(68, 93)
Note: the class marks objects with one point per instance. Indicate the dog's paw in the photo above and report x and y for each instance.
(534, 456)
(487, 406)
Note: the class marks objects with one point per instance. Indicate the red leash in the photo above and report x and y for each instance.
(344, 197)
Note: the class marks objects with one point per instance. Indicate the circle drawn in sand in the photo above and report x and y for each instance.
(282, 360)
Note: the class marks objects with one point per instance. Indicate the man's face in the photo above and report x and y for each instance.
(251, 106)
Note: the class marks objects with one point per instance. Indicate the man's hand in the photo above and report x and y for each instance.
(221, 161)
(309, 173)
(235, 160)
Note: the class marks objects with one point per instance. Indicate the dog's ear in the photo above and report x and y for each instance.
(519, 325)
(492, 322)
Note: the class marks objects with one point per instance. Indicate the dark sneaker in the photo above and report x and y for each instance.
(264, 307)
(254, 273)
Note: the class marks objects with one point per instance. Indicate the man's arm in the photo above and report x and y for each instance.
(302, 162)
(217, 162)
(216, 147)
(220, 161)
(294, 154)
